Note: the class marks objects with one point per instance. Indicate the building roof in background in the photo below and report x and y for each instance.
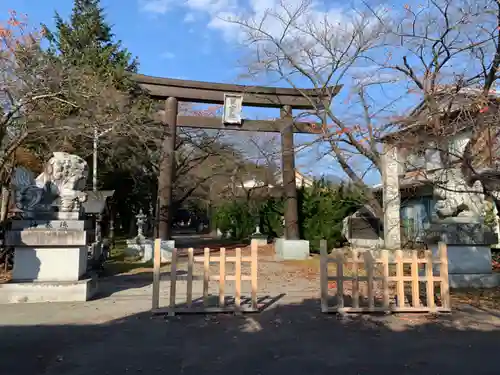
(300, 179)
(450, 101)
(405, 183)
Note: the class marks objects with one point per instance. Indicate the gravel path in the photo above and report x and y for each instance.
(117, 335)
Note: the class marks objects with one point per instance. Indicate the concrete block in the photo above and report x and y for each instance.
(467, 259)
(489, 280)
(35, 292)
(49, 263)
(145, 249)
(291, 249)
(260, 241)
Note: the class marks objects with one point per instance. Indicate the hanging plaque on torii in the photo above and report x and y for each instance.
(233, 105)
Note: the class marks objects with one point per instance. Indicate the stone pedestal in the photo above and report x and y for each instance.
(259, 239)
(469, 253)
(291, 249)
(469, 266)
(144, 247)
(50, 262)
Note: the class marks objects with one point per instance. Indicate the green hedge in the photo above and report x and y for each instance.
(322, 208)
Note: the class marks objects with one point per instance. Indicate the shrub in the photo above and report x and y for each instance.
(321, 207)
(236, 217)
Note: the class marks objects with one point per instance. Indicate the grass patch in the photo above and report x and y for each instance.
(119, 263)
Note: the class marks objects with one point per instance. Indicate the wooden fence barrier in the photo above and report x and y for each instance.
(411, 283)
(203, 305)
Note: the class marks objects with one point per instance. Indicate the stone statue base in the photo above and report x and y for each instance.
(259, 238)
(291, 249)
(469, 253)
(144, 248)
(36, 291)
(50, 262)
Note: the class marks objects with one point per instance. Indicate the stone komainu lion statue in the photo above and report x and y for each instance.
(456, 197)
(64, 178)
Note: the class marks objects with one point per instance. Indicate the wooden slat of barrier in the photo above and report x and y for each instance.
(222, 277)
(206, 275)
(369, 273)
(415, 288)
(400, 283)
(156, 274)
(173, 280)
(443, 273)
(189, 285)
(405, 309)
(355, 281)
(215, 259)
(380, 278)
(231, 278)
(237, 275)
(340, 281)
(206, 310)
(253, 274)
(430, 279)
(323, 274)
(385, 280)
(405, 260)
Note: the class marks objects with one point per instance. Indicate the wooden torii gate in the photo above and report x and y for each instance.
(287, 99)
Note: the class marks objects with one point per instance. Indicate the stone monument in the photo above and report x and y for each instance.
(258, 237)
(458, 221)
(49, 234)
(144, 247)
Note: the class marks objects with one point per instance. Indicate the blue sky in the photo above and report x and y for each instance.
(179, 39)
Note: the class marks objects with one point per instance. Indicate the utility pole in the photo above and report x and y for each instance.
(97, 135)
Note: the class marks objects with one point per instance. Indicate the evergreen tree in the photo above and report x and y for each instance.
(86, 40)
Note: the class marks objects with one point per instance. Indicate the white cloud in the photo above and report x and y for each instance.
(155, 6)
(313, 20)
(167, 55)
(189, 18)
(211, 7)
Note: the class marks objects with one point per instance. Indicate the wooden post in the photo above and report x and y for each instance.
(355, 281)
(222, 277)
(288, 168)
(385, 281)
(156, 273)
(400, 288)
(173, 282)
(429, 276)
(340, 278)
(443, 273)
(237, 275)
(369, 265)
(189, 288)
(323, 274)
(253, 274)
(167, 168)
(206, 275)
(415, 285)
